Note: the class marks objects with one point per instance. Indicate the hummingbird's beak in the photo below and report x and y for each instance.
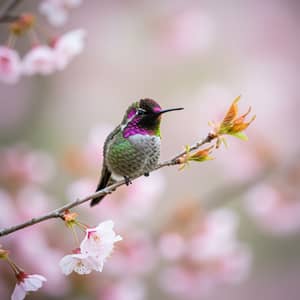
(167, 110)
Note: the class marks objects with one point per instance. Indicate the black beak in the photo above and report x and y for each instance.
(167, 110)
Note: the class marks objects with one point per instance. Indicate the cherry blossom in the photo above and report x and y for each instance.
(215, 236)
(7, 211)
(190, 284)
(135, 256)
(94, 250)
(80, 263)
(126, 289)
(187, 33)
(245, 163)
(39, 201)
(56, 11)
(21, 165)
(174, 241)
(26, 283)
(212, 255)
(68, 46)
(99, 242)
(273, 211)
(39, 60)
(10, 65)
(80, 188)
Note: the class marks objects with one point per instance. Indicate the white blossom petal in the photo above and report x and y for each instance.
(79, 263)
(19, 293)
(57, 11)
(68, 46)
(99, 242)
(27, 283)
(33, 282)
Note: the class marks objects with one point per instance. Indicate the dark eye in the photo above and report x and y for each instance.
(141, 111)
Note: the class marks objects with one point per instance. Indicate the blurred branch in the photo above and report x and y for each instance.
(8, 19)
(58, 213)
(5, 12)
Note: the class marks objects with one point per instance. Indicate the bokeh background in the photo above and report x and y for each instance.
(195, 54)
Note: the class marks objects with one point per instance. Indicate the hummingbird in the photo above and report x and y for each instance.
(133, 148)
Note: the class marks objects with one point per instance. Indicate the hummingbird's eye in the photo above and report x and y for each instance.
(141, 111)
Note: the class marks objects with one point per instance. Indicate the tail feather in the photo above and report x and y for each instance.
(105, 178)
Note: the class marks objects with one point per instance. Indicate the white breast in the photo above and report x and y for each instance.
(145, 142)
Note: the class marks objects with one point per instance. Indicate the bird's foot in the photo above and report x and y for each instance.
(127, 180)
(146, 174)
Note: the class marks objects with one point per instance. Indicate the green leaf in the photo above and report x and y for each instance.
(241, 136)
(201, 159)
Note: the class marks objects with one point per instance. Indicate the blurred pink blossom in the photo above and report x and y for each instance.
(126, 289)
(212, 256)
(215, 236)
(272, 210)
(81, 188)
(57, 11)
(39, 201)
(171, 246)
(134, 256)
(39, 60)
(244, 162)
(188, 32)
(184, 283)
(26, 283)
(45, 60)
(10, 65)
(235, 265)
(67, 46)
(21, 165)
(7, 211)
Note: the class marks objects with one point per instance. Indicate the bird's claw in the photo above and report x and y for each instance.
(127, 180)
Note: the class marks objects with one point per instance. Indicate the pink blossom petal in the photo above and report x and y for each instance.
(39, 60)
(10, 65)
(171, 246)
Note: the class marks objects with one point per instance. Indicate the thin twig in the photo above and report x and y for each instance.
(58, 213)
(7, 9)
(9, 19)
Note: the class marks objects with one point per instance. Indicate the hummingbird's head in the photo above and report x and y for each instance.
(143, 117)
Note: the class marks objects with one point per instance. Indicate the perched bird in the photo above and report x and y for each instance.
(133, 148)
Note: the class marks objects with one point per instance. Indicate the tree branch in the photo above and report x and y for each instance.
(9, 19)
(58, 213)
(5, 16)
